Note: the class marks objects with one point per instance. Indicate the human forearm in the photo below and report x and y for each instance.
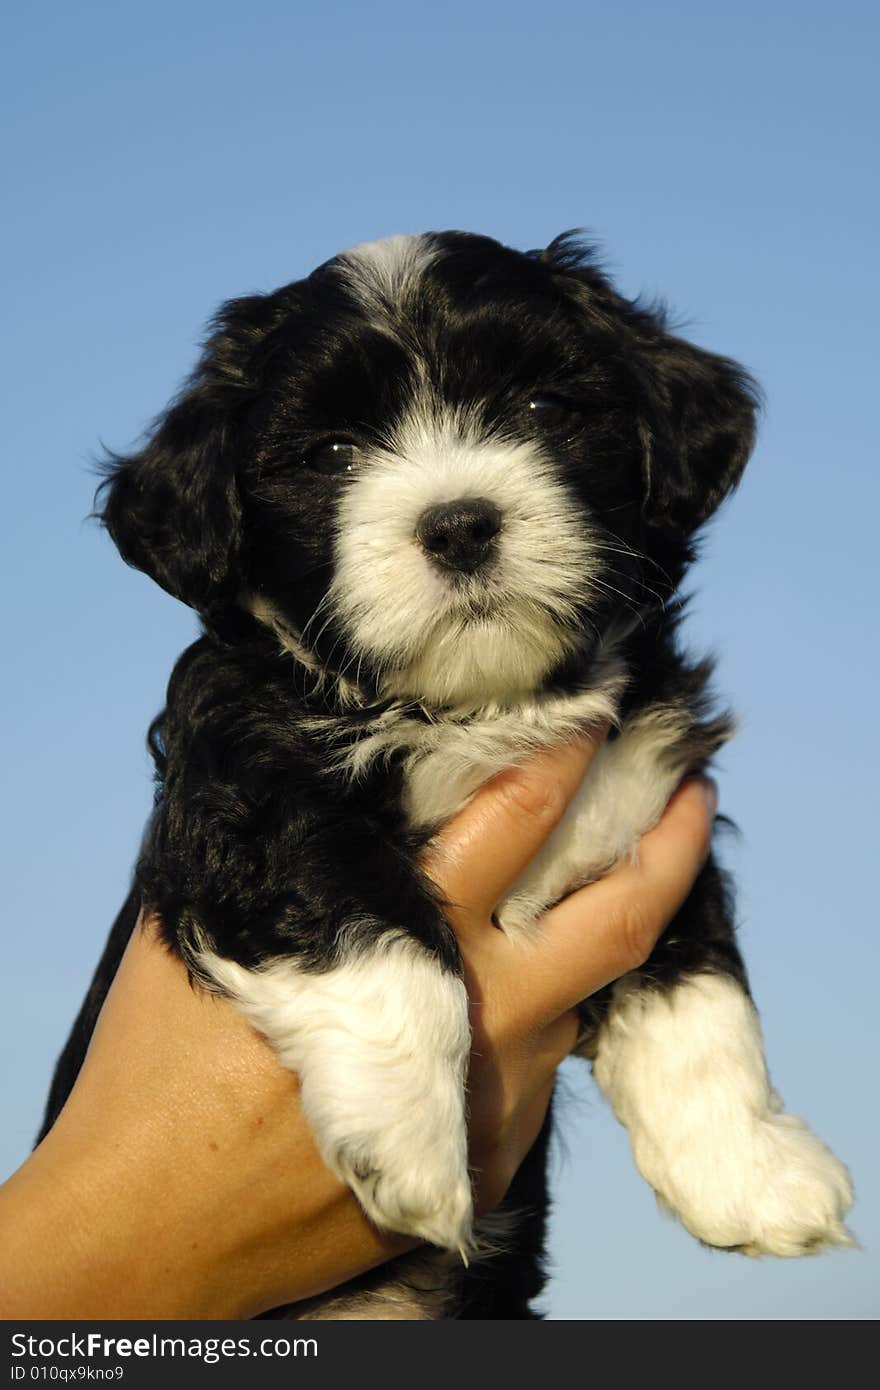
(177, 1191)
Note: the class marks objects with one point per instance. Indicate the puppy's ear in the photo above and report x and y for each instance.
(173, 509)
(696, 411)
(697, 427)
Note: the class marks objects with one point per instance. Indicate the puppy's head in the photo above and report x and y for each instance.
(441, 467)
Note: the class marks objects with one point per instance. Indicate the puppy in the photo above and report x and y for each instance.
(433, 504)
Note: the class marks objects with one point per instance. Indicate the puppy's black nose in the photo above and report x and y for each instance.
(459, 535)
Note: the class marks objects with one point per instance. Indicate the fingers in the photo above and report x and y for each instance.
(483, 850)
(602, 931)
(508, 1103)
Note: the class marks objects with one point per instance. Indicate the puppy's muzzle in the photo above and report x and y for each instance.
(460, 535)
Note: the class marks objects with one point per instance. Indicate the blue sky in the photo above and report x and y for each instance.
(162, 158)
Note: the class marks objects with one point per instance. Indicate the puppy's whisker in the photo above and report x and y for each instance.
(639, 555)
(611, 589)
(323, 602)
(639, 583)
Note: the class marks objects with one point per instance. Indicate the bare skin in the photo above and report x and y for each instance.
(182, 1181)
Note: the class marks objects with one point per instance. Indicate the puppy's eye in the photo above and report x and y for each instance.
(546, 407)
(339, 456)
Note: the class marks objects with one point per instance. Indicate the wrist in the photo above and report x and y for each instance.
(128, 1225)
(83, 1236)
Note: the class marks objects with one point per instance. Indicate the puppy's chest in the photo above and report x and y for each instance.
(624, 792)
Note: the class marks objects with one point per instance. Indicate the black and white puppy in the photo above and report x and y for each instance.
(434, 504)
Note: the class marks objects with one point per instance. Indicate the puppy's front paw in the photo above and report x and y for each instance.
(380, 1044)
(518, 916)
(388, 1109)
(685, 1072)
(419, 1186)
(775, 1190)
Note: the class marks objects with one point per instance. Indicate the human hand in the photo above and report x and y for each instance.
(182, 1180)
(523, 993)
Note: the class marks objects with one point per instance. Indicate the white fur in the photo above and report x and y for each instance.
(381, 273)
(446, 758)
(624, 793)
(685, 1072)
(380, 1044)
(446, 640)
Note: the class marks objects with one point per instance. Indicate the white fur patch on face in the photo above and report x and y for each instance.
(380, 1044)
(449, 639)
(685, 1072)
(381, 273)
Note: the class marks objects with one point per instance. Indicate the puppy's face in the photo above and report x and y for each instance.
(439, 467)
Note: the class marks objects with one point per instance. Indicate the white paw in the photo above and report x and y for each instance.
(772, 1189)
(380, 1044)
(421, 1188)
(518, 917)
(685, 1072)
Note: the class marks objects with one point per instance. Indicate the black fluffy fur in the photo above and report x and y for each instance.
(252, 840)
